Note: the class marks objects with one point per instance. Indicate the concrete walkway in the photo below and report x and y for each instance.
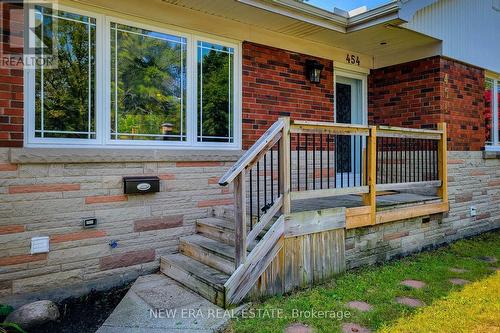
(156, 303)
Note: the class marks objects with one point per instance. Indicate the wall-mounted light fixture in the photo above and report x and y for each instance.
(313, 70)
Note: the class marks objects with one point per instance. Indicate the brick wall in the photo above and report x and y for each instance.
(424, 92)
(51, 199)
(11, 78)
(275, 84)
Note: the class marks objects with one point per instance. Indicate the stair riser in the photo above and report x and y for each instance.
(215, 233)
(208, 258)
(190, 281)
(224, 212)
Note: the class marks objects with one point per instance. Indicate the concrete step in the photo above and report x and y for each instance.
(213, 253)
(208, 282)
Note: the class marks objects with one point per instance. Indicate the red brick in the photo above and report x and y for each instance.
(127, 259)
(158, 223)
(22, 259)
(11, 229)
(105, 199)
(213, 180)
(86, 234)
(15, 189)
(215, 202)
(167, 176)
(494, 182)
(8, 167)
(463, 197)
(198, 164)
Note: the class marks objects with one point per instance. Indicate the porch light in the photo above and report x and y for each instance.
(313, 70)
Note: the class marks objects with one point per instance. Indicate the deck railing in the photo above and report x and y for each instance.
(297, 160)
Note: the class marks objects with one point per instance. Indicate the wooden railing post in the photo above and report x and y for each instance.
(240, 218)
(285, 163)
(370, 199)
(443, 163)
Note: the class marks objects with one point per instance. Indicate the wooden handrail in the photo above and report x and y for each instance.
(252, 153)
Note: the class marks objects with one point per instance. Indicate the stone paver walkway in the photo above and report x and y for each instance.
(458, 282)
(413, 284)
(409, 301)
(156, 303)
(354, 328)
(359, 305)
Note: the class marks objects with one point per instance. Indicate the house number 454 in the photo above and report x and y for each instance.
(352, 59)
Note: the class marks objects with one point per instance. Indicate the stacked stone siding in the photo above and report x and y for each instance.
(275, 84)
(51, 199)
(473, 181)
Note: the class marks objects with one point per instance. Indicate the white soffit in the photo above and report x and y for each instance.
(362, 33)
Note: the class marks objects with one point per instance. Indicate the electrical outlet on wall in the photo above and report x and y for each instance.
(473, 211)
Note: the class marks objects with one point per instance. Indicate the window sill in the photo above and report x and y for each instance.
(491, 152)
(110, 155)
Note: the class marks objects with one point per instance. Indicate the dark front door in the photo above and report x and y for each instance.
(344, 115)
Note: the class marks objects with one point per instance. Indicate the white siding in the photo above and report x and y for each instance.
(469, 29)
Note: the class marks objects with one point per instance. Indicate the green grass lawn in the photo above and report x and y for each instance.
(379, 285)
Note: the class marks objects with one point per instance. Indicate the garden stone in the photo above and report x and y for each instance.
(458, 282)
(489, 260)
(412, 302)
(34, 314)
(354, 328)
(413, 284)
(458, 270)
(298, 328)
(359, 305)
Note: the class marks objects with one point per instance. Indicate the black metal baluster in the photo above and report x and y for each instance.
(354, 161)
(386, 153)
(251, 200)
(258, 190)
(314, 162)
(265, 179)
(321, 161)
(335, 166)
(400, 149)
(342, 165)
(279, 169)
(414, 160)
(272, 176)
(328, 158)
(298, 161)
(306, 160)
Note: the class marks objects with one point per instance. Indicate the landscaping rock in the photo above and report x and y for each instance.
(458, 282)
(354, 328)
(34, 314)
(359, 305)
(412, 302)
(495, 269)
(458, 270)
(413, 284)
(298, 328)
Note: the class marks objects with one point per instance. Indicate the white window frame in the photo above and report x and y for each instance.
(495, 144)
(103, 92)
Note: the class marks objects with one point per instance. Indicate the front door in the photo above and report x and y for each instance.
(349, 110)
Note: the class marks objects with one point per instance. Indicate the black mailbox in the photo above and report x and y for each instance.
(141, 184)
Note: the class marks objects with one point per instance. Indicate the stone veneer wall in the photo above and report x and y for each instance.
(50, 199)
(473, 181)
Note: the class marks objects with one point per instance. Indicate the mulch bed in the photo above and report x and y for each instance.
(86, 313)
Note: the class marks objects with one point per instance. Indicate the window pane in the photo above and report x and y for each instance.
(148, 85)
(488, 109)
(65, 94)
(215, 93)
